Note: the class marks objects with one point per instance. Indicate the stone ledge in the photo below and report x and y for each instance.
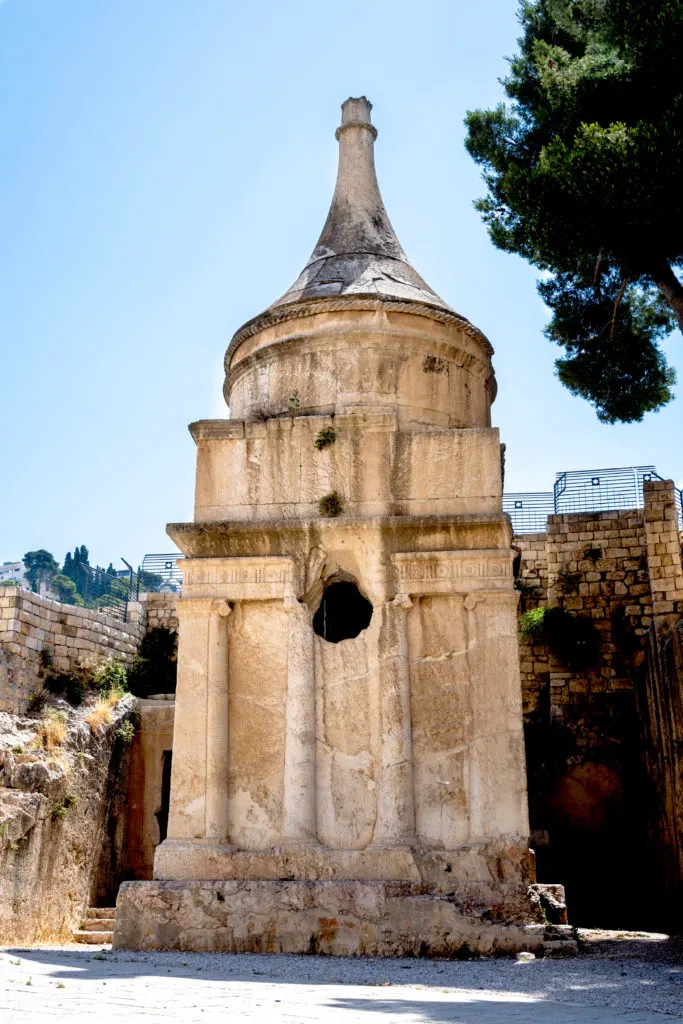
(478, 868)
(349, 918)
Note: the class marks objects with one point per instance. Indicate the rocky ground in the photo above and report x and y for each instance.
(619, 978)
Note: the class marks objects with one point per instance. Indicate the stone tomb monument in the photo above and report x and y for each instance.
(348, 758)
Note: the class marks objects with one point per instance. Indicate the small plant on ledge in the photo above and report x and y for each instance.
(325, 437)
(331, 505)
(67, 803)
(294, 404)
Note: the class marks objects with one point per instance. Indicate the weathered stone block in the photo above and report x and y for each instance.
(334, 918)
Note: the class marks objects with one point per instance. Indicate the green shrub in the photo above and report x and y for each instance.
(69, 801)
(111, 678)
(331, 505)
(324, 438)
(531, 625)
(126, 732)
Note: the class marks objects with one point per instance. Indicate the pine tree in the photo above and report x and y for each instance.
(583, 172)
(40, 568)
(68, 568)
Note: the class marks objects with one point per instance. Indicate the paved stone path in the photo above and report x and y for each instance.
(77, 985)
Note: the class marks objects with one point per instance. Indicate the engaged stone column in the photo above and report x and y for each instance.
(199, 788)
(497, 769)
(217, 723)
(395, 795)
(187, 809)
(299, 800)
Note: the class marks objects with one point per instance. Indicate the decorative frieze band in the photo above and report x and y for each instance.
(452, 572)
(240, 579)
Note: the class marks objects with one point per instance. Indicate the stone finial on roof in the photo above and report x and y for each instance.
(358, 252)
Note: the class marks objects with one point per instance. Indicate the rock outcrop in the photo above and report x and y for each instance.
(55, 819)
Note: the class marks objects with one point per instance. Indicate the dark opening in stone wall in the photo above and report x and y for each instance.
(343, 613)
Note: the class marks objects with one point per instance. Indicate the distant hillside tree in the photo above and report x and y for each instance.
(150, 582)
(65, 589)
(72, 567)
(40, 567)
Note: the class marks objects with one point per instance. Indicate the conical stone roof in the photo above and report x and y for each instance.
(358, 253)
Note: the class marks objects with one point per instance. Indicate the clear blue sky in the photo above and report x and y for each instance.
(167, 167)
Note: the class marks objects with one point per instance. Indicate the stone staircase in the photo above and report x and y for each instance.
(98, 926)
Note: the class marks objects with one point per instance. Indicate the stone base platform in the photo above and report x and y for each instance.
(337, 918)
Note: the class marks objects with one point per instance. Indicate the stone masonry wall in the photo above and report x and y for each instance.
(588, 786)
(161, 611)
(532, 582)
(663, 547)
(75, 638)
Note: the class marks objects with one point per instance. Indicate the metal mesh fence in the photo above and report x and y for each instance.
(529, 512)
(583, 490)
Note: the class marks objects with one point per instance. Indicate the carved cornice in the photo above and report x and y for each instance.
(446, 572)
(238, 579)
(324, 305)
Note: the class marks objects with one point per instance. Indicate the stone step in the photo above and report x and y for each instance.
(92, 938)
(99, 924)
(101, 912)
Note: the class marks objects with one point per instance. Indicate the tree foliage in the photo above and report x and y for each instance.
(77, 568)
(65, 589)
(583, 172)
(40, 567)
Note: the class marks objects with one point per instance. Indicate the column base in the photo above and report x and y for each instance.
(340, 918)
(205, 860)
(502, 861)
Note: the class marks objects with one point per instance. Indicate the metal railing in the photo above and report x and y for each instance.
(103, 590)
(601, 490)
(164, 567)
(583, 490)
(529, 512)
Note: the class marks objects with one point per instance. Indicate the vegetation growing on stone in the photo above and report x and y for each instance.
(325, 437)
(531, 625)
(101, 713)
(111, 678)
(126, 732)
(583, 175)
(573, 639)
(331, 505)
(111, 681)
(51, 730)
(293, 403)
(69, 801)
